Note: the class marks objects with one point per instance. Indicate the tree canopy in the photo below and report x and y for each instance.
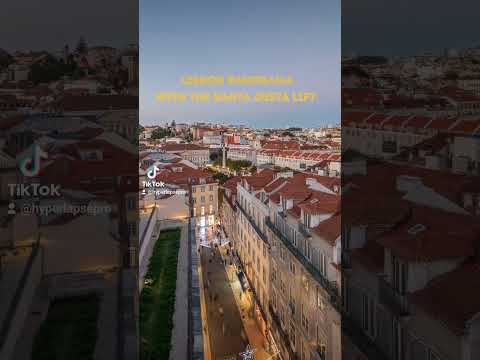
(160, 133)
(234, 165)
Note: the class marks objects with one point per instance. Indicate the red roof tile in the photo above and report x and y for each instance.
(452, 298)
(431, 234)
(329, 229)
(467, 126)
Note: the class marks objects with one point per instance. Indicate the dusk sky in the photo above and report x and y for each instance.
(50, 24)
(214, 37)
(408, 27)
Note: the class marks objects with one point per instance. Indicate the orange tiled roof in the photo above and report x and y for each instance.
(329, 229)
(430, 234)
(452, 298)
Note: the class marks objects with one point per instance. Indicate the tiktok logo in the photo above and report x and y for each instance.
(30, 165)
(152, 171)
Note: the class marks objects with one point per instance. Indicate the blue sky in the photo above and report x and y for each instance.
(250, 37)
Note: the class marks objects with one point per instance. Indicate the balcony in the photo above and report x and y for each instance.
(312, 270)
(282, 335)
(278, 324)
(396, 302)
(304, 230)
(252, 223)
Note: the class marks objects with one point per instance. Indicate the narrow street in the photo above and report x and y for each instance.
(225, 327)
(229, 327)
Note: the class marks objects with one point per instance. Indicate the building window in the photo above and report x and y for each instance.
(307, 219)
(346, 237)
(399, 275)
(368, 318)
(320, 302)
(345, 295)
(194, 200)
(210, 187)
(398, 349)
(210, 209)
(194, 189)
(292, 267)
(323, 264)
(304, 320)
(131, 204)
(202, 199)
(210, 198)
(202, 188)
(133, 228)
(322, 350)
(292, 304)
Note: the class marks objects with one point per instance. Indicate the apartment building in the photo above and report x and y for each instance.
(241, 152)
(204, 196)
(469, 83)
(228, 209)
(386, 135)
(409, 266)
(252, 245)
(201, 187)
(304, 228)
(287, 240)
(295, 159)
(198, 155)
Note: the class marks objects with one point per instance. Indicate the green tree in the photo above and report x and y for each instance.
(160, 133)
(189, 138)
(213, 156)
(52, 70)
(221, 177)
